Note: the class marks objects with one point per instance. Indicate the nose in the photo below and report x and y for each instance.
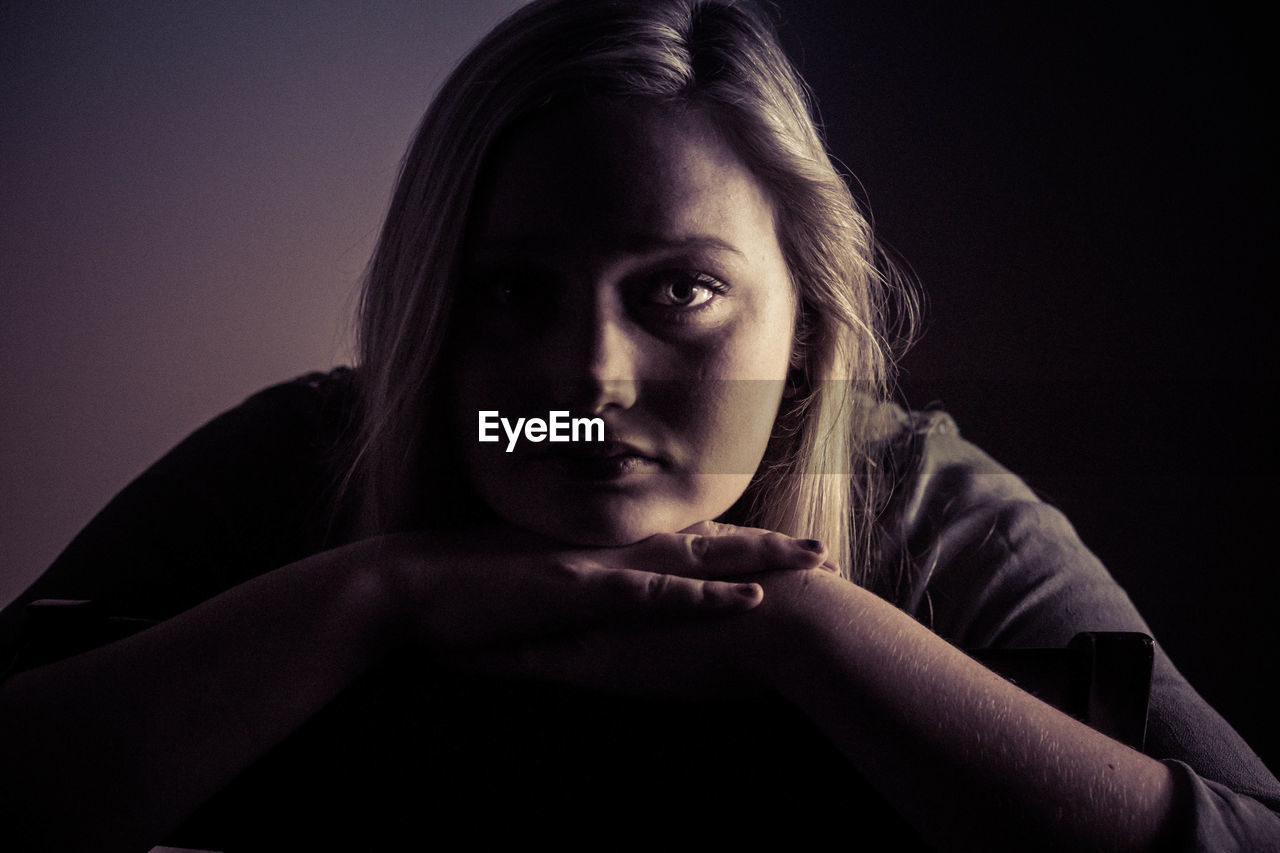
(604, 354)
(611, 372)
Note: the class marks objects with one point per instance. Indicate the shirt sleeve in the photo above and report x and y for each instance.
(993, 566)
(248, 492)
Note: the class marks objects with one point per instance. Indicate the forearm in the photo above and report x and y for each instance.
(110, 749)
(970, 759)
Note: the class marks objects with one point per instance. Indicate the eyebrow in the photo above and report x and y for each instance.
(693, 242)
(635, 242)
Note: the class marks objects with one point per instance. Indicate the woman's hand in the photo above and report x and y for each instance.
(654, 651)
(968, 758)
(494, 587)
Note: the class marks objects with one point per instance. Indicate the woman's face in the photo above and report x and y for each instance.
(621, 264)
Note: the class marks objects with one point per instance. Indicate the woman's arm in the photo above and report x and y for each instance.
(111, 749)
(971, 760)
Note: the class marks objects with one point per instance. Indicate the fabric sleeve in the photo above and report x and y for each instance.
(246, 493)
(992, 566)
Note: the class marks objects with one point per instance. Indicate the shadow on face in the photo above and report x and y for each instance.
(622, 265)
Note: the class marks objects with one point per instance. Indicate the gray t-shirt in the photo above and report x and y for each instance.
(996, 567)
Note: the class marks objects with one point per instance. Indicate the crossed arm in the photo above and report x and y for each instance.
(118, 745)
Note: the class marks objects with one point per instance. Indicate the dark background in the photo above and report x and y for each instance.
(1085, 193)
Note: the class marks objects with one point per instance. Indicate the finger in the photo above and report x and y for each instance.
(571, 594)
(719, 528)
(598, 586)
(722, 556)
(645, 593)
(793, 555)
(671, 553)
(739, 554)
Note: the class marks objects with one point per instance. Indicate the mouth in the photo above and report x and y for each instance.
(605, 461)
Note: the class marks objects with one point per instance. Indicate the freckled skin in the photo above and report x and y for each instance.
(622, 263)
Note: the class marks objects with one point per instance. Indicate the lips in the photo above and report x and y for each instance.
(604, 461)
(606, 450)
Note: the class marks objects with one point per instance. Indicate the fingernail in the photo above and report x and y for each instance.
(748, 590)
(809, 545)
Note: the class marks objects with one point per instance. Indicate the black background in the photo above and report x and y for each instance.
(1084, 191)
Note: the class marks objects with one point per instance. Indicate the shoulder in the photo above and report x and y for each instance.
(271, 452)
(936, 471)
(318, 406)
(252, 489)
(986, 561)
(989, 564)
(275, 453)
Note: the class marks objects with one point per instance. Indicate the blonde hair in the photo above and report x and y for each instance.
(819, 477)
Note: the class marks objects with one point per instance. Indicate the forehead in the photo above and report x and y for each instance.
(619, 170)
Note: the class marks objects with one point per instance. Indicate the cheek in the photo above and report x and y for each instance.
(729, 422)
(759, 344)
(719, 430)
(723, 428)
(732, 419)
(737, 410)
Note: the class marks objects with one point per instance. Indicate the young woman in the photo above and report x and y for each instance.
(742, 606)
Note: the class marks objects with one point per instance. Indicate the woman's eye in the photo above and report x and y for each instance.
(517, 292)
(510, 292)
(685, 290)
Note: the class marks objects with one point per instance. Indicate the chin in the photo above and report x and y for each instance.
(595, 529)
